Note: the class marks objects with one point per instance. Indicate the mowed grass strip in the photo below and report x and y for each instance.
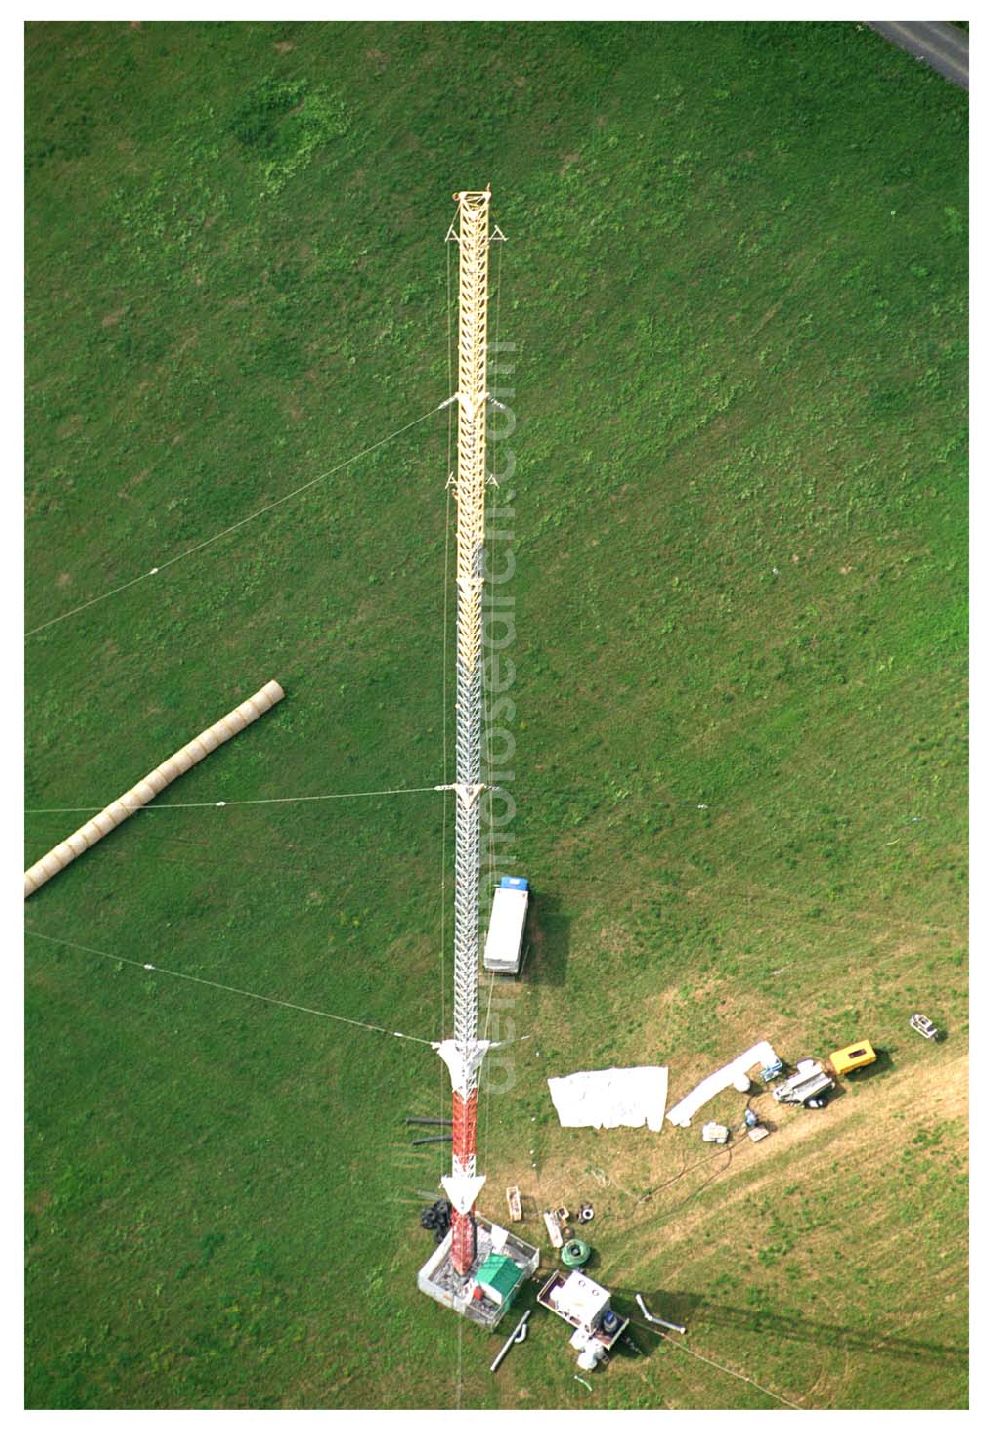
(736, 284)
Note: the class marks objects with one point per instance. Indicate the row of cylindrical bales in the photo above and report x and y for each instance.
(153, 784)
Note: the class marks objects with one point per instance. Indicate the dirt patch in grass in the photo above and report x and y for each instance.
(856, 1132)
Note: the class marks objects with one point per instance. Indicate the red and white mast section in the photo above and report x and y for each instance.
(463, 1054)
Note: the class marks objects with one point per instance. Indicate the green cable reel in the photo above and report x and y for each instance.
(575, 1253)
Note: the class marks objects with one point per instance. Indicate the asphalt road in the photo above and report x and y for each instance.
(942, 46)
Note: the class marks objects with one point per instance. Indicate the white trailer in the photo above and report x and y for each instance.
(505, 936)
(809, 1080)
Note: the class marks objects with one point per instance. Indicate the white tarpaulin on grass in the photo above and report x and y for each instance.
(611, 1098)
(732, 1074)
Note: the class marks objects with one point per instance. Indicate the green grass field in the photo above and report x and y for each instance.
(736, 284)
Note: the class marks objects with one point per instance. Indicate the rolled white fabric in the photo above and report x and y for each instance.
(154, 783)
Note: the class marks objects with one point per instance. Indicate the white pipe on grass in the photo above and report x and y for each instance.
(661, 1322)
(153, 784)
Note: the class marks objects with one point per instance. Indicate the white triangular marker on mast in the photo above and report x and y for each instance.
(462, 1192)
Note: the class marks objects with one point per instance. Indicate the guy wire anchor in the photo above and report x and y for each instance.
(518, 1336)
(660, 1322)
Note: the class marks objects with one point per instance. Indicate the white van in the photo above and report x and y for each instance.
(505, 936)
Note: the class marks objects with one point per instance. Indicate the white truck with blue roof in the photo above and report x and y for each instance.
(505, 936)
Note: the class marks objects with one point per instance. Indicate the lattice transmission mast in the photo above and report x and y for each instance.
(463, 1054)
(478, 1266)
